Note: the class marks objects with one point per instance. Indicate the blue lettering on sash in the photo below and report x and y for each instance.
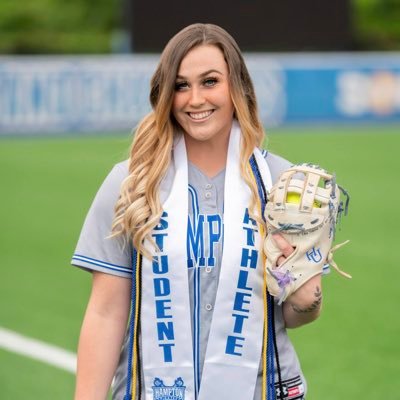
(250, 235)
(232, 344)
(160, 264)
(163, 224)
(161, 308)
(162, 292)
(240, 301)
(249, 258)
(239, 319)
(248, 220)
(243, 295)
(161, 287)
(167, 347)
(165, 330)
(243, 278)
(159, 239)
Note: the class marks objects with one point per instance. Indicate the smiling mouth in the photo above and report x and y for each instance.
(200, 115)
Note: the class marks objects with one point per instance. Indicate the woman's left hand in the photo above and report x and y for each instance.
(304, 305)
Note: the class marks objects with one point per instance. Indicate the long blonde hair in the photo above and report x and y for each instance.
(138, 209)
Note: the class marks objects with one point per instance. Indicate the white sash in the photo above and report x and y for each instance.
(235, 341)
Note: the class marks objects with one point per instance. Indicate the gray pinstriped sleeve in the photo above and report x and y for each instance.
(95, 250)
(276, 165)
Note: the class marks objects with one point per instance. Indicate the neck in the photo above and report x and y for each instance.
(209, 156)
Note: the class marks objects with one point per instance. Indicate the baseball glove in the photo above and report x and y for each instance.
(304, 207)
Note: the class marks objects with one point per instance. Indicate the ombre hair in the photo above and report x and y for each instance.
(138, 209)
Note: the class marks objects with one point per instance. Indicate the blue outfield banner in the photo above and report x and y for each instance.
(72, 94)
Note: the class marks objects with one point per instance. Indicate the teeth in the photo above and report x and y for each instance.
(200, 115)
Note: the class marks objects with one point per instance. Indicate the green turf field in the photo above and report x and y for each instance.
(47, 184)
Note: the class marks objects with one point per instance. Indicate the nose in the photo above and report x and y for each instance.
(196, 97)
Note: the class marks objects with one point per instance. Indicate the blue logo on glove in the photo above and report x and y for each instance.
(314, 255)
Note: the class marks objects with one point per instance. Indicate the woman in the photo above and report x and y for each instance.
(187, 212)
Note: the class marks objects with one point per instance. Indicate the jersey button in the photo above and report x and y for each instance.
(208, 195)
(208, 269)
(209, 307)
(208, 186)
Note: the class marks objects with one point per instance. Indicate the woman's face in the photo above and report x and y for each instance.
(202, 102)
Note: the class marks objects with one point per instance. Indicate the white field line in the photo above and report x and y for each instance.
(37, 350)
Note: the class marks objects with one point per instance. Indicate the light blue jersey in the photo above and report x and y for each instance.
(96, 251)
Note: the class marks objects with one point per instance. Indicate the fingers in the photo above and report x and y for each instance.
(283, 245)
(280, 260)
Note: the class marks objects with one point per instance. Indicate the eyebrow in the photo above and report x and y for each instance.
(203, 74)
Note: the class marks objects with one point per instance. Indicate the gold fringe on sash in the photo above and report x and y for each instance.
(135, 315)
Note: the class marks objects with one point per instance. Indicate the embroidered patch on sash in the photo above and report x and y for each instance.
(163, 392)
(292, 389)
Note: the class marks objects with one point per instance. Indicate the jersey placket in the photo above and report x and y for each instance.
(211, 207)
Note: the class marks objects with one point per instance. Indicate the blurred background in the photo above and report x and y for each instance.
(74, 82)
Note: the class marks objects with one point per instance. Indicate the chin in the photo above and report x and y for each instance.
(199, 138)
(203, 135)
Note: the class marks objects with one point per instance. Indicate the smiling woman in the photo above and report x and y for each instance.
(187, 208)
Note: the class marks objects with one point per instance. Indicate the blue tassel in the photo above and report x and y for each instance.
(132, 326)
(270, 302)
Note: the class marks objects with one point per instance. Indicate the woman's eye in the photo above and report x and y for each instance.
(210, 81)
(180, 85)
